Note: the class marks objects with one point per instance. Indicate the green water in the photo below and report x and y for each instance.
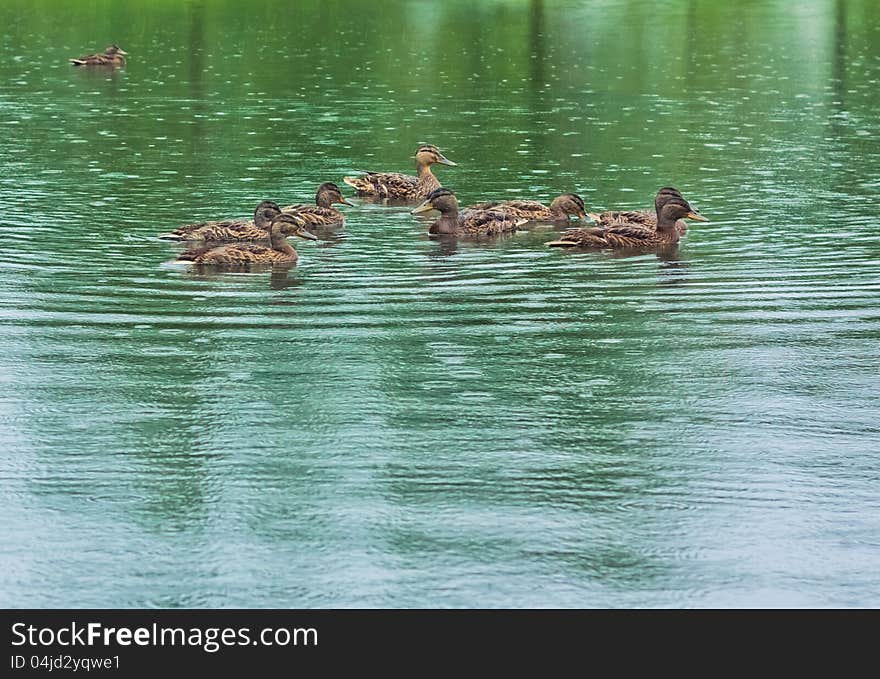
(399, 422)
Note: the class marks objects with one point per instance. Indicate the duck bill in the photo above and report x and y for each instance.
(302, 233)
(696, 215)
(343, 201)
(443, 160)
(427, 206)
(122, 52)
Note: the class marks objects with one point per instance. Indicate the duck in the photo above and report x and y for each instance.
(629, 235)
(467, 223)
(279, 250)
(647, 218)
(114, 55)
(559, 210)
(322, 213)
(403, 186)
(229, 230)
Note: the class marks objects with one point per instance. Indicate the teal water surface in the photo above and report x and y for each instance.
(401, 422)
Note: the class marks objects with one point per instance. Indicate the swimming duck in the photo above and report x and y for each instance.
(230, 230)
(631, 234)
(242, 254)
(558, 211)
(322, 213)
(112, 56)
(467, 223)
(403, 186)
(647, 218)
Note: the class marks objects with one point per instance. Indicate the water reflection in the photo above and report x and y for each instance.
(403, 420)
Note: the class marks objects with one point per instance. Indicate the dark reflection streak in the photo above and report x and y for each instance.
(537, 81)
(446, 246)
(691, 30)
(536, 47)
(839, 74)
(195, 61)
(838, 84)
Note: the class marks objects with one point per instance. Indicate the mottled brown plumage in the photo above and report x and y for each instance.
(112, 56)
(468, 222)
(559, 210)
(279, 250)
(230, 230)
(403, 186)
(646, 218)
(631, 235)
(322, 213)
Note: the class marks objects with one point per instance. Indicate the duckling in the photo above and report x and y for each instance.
(242, 254)
(646, 218)
(230, 230)
(467, 223)
(403, 186)
(322, 213)
(112, 56)
(559, 210)
(633, 235)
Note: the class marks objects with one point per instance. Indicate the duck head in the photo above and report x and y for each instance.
(328, 194)
(286, 224)
(664, 195)
(264, 214)
(440, 199)
(569, 204)
(428, 154)
(675, 209)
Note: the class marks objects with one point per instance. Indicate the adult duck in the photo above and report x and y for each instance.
(467, 222)
(647, 218)
(322, 213)
(114, 55)
(279, 250)
(560, 210)
(403, 186)
(632, 235)
(229, 230)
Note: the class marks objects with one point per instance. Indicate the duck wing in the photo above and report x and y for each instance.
(315, 215)
(384, 184)
(225, 231)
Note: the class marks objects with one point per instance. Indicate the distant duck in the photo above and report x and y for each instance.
(112, 56)
(468, 222)
(559, 210)
(630, 235)
(230, 230)
(647, 218)
(322, 213)
(403, 186)
(279, 250)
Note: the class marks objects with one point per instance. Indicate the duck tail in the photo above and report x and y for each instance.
(359, 184)
(170, 236)
(562, 243)
(191, 255)
(77, 62)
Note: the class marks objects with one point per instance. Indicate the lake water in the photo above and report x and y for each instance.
(399, 422)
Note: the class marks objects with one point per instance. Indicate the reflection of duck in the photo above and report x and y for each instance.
(647, 218)
(633, 235)
(322, 213)
(112, 56)
(242, 254)
(230, 230)
(403, 186)
(468, 222)
(558, 211)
